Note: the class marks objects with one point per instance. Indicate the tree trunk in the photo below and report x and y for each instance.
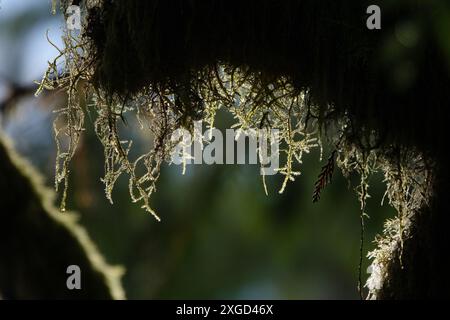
(421, 271)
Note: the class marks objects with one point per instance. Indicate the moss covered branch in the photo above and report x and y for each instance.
(38, 242)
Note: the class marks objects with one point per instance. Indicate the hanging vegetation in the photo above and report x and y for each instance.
(311, 68)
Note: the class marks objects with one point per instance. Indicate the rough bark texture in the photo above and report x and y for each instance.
(38, 242)
(421, 272)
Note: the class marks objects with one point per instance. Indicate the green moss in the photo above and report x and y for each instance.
(38, 242)
(310, 67)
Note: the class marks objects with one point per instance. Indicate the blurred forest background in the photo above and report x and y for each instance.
(220, 235)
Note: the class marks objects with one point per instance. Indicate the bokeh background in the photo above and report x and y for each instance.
(220, 235)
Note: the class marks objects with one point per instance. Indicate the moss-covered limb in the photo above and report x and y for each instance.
(306, 65)
(419, 269)
(38, 242)
(323, 46)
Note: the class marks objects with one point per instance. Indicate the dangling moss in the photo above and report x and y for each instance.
(311, 67)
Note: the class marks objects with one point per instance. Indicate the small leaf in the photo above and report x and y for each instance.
(324, 177)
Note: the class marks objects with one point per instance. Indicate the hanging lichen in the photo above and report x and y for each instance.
(317, 85)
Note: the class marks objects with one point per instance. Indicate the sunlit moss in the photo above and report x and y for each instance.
(329, 94)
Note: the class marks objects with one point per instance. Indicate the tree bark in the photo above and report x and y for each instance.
(38, 242)
(419, 270)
